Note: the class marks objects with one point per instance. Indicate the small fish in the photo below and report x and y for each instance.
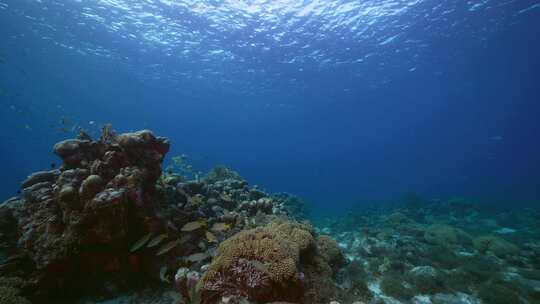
(195, 200)
(140, 243)
(197, 257)
(163, 274)
(172, 226)
(186, 238)
(192, 226)
(167, 247)
(227, 198)
(53, 165)
(210, 237)
(158, 239)
(220, 227)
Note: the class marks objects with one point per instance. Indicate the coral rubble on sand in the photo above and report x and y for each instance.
(440, 252)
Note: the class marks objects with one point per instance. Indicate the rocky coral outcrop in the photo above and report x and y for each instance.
(278, 262)
(108, 218)
(330, 252)
(80, 218)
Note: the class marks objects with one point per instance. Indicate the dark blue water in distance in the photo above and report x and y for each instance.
(344, 103)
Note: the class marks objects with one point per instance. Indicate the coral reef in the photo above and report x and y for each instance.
(110, 220)
(277, 262)
(79, 219)
(330, 252)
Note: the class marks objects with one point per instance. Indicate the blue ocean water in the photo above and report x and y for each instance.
(344, 103)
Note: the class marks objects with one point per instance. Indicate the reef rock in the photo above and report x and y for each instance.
(40, 177)
(329, 250)
(80, 218)
(108, 219)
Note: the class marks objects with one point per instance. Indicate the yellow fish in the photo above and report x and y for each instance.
(140, 243)
(167, 247)
(211, 237)
(158, 239)
(220, 227)
(192, 226)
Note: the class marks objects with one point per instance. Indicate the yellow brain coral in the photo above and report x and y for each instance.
(297, 233)
(278, 262)
(278, 256)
